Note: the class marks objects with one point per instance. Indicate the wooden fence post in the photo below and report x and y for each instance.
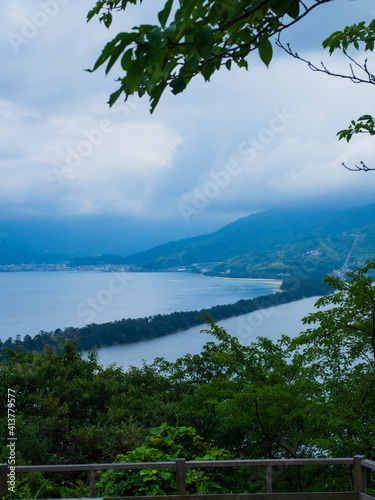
(3, 480)
(269, 478)
(359, 474)
(92, 484)
(180, 476)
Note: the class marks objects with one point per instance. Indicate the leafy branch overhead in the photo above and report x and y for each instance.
(350, 40)
(357, 36)
(200, 38)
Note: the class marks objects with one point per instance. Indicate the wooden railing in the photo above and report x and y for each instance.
(358, 462)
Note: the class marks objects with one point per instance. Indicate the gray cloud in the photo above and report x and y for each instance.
(62, 151)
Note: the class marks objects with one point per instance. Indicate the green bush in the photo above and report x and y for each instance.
(164, 444)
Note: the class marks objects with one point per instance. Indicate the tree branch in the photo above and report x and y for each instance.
(323, 69)
(362, 168)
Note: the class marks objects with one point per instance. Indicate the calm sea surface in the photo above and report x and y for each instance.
(35, 301)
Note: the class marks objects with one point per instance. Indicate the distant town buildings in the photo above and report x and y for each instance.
(65, 267)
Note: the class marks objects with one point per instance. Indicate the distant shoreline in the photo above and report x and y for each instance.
(50, 268)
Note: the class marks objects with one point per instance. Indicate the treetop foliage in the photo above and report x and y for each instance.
(344, 334)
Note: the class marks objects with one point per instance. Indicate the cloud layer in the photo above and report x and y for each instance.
(244, 142)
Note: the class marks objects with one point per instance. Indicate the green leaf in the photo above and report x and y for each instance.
(102, 58)
(365, 117)
(213, 14)
(370, 44)
(241, 63)
(95, 10)
(184, 12)
(164, 14)
(126, 59)
(178, 85)
(113, 49)
(293, 10)
(280, 6)
(265, 52)
(168, 68)
(191, 65)
(156, 37)
(134, 75)
(156, 95)
(107, 19)
(115, 55)
(171, 31)
(208, 70)
(203, 41)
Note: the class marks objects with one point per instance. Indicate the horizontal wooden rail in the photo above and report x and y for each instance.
(359, 463)
(188, 464)
(368, 464)
(88, 467)
(272, 462)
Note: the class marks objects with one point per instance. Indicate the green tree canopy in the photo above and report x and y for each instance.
(339, 351)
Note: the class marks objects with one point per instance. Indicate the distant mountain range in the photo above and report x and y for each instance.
(267, 245)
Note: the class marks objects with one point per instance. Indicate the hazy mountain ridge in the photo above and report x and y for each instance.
(57, 239)
(271, 244)
(274, 243)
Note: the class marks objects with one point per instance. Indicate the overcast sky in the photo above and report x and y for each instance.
(245, 142)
